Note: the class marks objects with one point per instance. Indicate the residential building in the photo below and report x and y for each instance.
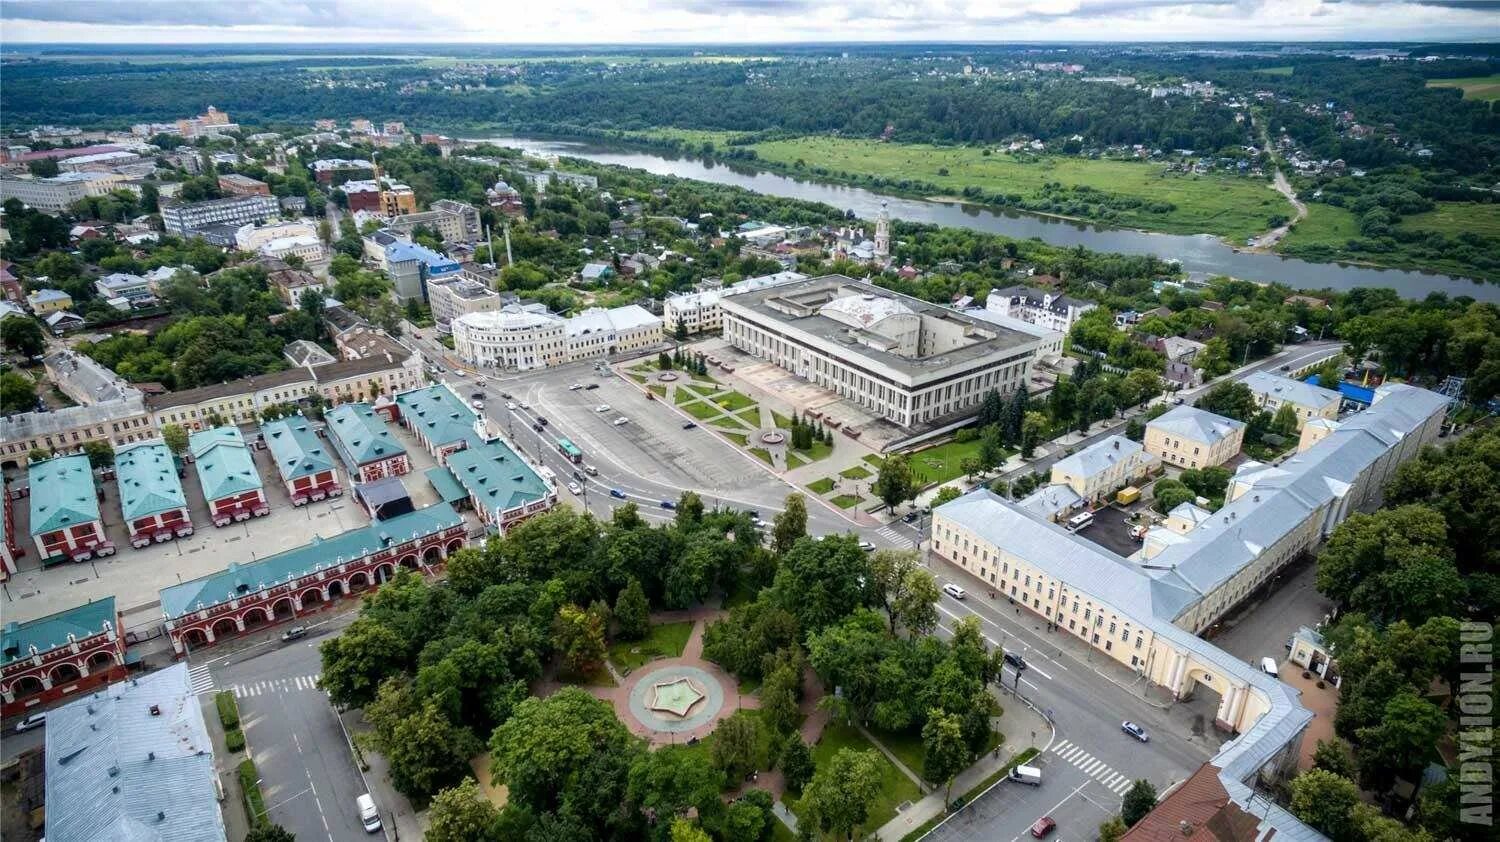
(303, 460)
(1040, 307)
(71, 651)
(118, 422)
(449, 297)
(133, 288)
(1051, 503)
(454, 221)
(309, 249)
(134, 761)
(45, 302)
(65, 521)
(151, 497)
(382, 196)
(908, 361)
(211, 122)
(252, 237)
(303, 353)
(227, 475)
(1315, 431)
(361, 440)
(597, 332)
(84, 380)
(234, 184)
(187, 219)
(98, 161)
(1202, 809)
(286, 282)
(697, 312)
(1103, 467)
(56, 194)
(335, 170)
(1189, 437)
(502, 488)
(411, 265)
(1309, 402)
(247, 597)
(511, 338)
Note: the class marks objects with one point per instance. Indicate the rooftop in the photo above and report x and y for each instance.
(60, 629)
(134, 763)
(496, 477)
(62, 493)
(295, 448)
(224, 462)
(1196, 424)
(440, 414)
(1267, 385)
(238, 580)
(1099, 456)
(147, 477)
(360, 436)
(598, 319)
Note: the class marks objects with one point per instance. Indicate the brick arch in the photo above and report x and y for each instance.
(455, 545)
(384, 573)
(224, 626)
(409, 561)
(195, 637)
(312, 596)
(25, 686)
(64, 673)
(100, 661)
(433, 554)
(256, 616)
(359, 581)
(283, 609)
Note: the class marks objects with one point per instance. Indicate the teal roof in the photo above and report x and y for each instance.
(295, 448)
(445, 485)
(441, 415)
(496, 477)
(360, 436)
(225, 465)
(147, 476)
(52, 631)
(238, 580)
(62, 493)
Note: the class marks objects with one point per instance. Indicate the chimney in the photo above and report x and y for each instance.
(1186, 827)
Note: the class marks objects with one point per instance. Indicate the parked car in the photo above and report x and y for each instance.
(575, 387)
(1016, 661)
(867, 546)
(1043, 826)
(617, 493)
(1138, 532)
(954, 591)
(369, 815)
(1268, 666)
(592, 386)
(1135, 730)
(1029, 775)
(36, 720)
(688, 425)
(293, 633)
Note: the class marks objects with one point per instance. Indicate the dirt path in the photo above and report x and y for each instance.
(1268, 240)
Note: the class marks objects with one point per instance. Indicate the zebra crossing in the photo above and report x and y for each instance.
(201, 680)
(1092, 766)
(292, 684)
(890, 534)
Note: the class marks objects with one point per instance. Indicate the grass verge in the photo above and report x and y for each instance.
(255, 800)
(855, 472)
(821, 486)
(662, 641)
(844, 501)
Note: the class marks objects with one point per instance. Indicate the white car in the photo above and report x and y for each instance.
(511, 406)
(621, 420)
(575, 387)
(954, 591)
(573, 487)
(478, 406)
(525, 405)
(603, 407)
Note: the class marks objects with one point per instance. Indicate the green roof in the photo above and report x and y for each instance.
(440, 414)
(225, 466)
(360, 436)
(295, 448)
(239, 580)
(147, 475)
(496, 477)
(445, 485)
(52, 631)
(62, 493)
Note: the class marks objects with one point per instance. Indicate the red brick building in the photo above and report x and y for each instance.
(367, 448)
(69, 652)
(226, 473)
(151, 497)
(303, 460)
(65, 522)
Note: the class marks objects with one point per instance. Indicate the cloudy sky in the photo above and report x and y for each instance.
(645, 22)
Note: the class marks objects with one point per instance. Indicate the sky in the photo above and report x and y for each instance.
(648, 22)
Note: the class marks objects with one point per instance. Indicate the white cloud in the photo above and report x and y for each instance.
(647, 22)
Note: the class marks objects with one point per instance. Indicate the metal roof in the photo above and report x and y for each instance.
(1267, 385)
(598, 319)
(146, 473)
(1099, 456)
(62, 493)
(60, 629)
(295, 448)
(1196, 424)
(1049, 501)
(225, 465)
(360, 436)
(133, 763)
(240, 580)
(496, 477)
(440, 414)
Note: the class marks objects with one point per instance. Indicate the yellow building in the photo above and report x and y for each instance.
(1189, 437)
(1100, 469)
(1308, 402)
(45, 302)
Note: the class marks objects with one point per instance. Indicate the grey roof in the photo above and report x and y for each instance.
(1196, 424)
(1049, 501)
(1267, 385)
(1099, 456)
(37, 424)
(116, 771)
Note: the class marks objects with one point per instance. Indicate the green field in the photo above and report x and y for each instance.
(1325, 225)
(1284, 70)
(855, 472)
(821, 486)
(819, 450)
(941, 463)
(1327, 231)
(663, 641)
(1225, 205)
(1456, 218)
(895, 787)
(1475, 87)
(844, 501)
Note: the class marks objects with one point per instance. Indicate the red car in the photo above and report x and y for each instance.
(1043, 826)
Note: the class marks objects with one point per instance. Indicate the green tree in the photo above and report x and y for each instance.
(632, 612)
(101, 453)
(1403, 739)
(1231, 400)
(689, 509)
(838, 799)
(1323, 800)
(906, 590)
(683, 830)
(357, 661)
(944, 752)
(1333, 755)
(778, 699)
(542, 749)
(672, 780)
(24, 336)
(579, 636)
(946, 494)
(264, 831)
(1394, 564)
(1139, 800)
(1112, 830)
(796, 763)
(991, 447)
(17, 391)
(1033, 429)
(894, 485)
(738, 748)
(462, 814)
(175, 437)
(1284, 422)
(791, 524)
(820, 582)
(426, 752)
(1170, 493)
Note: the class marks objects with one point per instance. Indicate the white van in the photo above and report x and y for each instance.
(1027, 775)
(1268, 666)
(368, 815)
(1080, 520)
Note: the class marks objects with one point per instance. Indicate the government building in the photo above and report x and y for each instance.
(906, 360)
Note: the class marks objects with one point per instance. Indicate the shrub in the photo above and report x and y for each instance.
(255, 801)
(234, 740)
(229, 712)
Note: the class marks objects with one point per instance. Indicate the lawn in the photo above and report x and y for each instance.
(819, 450)
(660, 390)
(733, 401)
(737, 438)
(762, 454)
(1474, 87)
(907, 746)
(821, 486)
(730, 422)
(844, 501)
(796, 460)
(942, 463)
(597, 677)
(855, 472)
(877, 461)
(684, 394)
(1327, 231)
(1456, 218)
(665, 640)
(700, 389)
(750, 414)
(895, 787)
(781, 421)
(1285, 70)
(1229, 206)
(700, 410)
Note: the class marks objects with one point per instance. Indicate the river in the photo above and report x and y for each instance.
(1199, 255)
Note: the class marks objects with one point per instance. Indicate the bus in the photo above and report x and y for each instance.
(570, 450)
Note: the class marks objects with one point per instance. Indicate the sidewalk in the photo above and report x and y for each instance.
(1018, 723)
(398, 818)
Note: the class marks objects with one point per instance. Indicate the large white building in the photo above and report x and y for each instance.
(1050, 310)
(185, 219)
(699, 312)
(524, 338)
(1146, 614)
(906, 360)
(56, 194)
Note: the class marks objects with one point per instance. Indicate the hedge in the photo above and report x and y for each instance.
(255, 801)
(229, 711)
(234, 740)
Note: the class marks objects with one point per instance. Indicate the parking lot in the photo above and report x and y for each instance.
(1111, 530)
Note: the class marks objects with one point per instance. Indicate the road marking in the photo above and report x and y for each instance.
(201, 679)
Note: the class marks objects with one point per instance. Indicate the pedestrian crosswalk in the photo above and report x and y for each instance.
(201, 680)
(891, 534)
(293, 684)
(1092, 766)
